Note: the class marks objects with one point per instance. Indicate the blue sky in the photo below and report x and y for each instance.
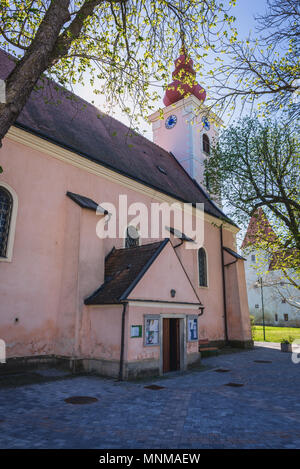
(244, 12)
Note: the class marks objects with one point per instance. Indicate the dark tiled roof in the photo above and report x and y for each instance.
(259, 230)
(70, 122)
(123, 269)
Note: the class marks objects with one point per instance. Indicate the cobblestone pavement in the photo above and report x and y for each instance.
(194, 410)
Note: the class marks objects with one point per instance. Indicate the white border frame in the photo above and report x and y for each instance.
(156, 317)
(12, 226)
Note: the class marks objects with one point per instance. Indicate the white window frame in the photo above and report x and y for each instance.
(12, 226)
(151, 316)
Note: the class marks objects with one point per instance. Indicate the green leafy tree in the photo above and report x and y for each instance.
(263, 71)
(125, 45)
(257, 166)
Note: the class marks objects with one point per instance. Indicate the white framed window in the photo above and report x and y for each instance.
(151, 330)
(8, 215)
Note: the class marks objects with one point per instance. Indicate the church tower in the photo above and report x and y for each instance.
(187, 130)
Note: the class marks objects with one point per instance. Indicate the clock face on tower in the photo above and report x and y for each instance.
(170, 122)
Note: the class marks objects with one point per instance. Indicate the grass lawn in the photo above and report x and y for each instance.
(275, 334)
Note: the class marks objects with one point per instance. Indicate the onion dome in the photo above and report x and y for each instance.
(184, 82)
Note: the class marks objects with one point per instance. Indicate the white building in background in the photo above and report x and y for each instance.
(271, 289)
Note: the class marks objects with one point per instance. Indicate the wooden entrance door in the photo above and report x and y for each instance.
(171, 344)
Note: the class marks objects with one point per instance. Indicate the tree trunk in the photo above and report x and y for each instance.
(37, 58)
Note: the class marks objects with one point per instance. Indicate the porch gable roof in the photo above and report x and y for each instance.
(123, 270)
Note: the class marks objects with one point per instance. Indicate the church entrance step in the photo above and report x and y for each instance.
(209, 352)
(207, 349)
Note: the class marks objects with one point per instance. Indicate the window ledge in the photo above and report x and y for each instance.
(5, 259)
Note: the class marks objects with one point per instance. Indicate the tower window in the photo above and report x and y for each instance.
(206, 144)
(132, 237)
(6, 205)
(202, 266)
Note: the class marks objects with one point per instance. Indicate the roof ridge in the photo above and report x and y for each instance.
(140, 246)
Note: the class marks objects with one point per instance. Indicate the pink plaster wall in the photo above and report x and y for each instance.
(165, 274)
(54, 242)
(101, 332)
(237, 301)
(58, 260)
(239, 327)
(211, 324)
(136, 350)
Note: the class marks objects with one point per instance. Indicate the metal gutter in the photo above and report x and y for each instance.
(223, 283)
(122, 343)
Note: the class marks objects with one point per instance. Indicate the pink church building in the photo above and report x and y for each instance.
(124, 306)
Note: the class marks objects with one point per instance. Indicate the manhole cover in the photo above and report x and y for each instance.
(221, 370)
(234, 385)
(262, 361)
(81, 400)
(154, 387)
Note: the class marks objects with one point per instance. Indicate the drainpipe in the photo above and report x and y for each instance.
(224, 287)
(122, 342)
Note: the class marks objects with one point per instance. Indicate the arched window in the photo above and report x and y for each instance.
(206, 144)
(132, 237)
(6, 206)
(202, 266)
